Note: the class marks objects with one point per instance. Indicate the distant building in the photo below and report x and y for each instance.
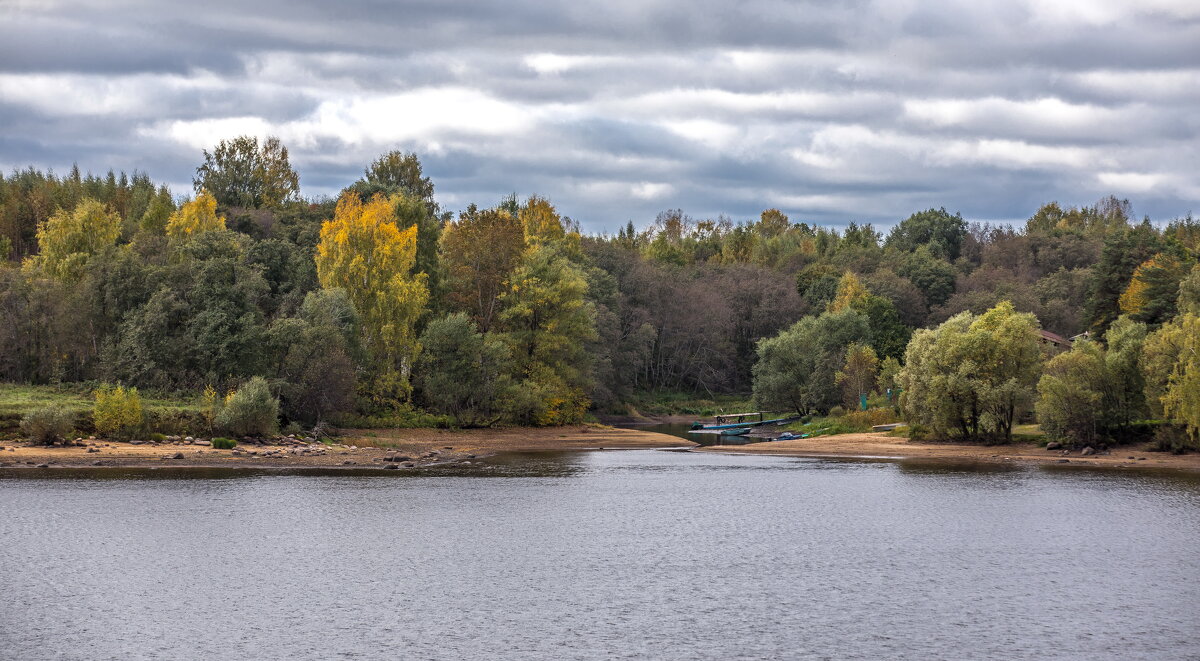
(1054, 339)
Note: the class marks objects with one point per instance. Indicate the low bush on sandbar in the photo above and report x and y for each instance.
(118, 412)
(250, 410)
(223, 444)
(47, 424)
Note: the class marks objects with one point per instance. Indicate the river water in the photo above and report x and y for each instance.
(602, 555)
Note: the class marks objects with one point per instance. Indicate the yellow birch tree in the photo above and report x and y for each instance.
(364, 252)
(850, 290)
(195, 217)
(69, 238)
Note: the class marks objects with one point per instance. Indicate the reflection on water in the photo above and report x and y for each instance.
(600, 555)
(681, 430)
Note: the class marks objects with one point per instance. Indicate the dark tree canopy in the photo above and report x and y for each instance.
(241, 172)
(942, 232)
(398, 171)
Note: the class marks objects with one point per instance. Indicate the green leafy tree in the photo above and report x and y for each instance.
(889, 335)
(1123, 252)
(935, 229)
(413, 212)
(1189, 293)
(932, 275)
(547, 321)
(972, 376)
(796, 369)
(1124, 385)
(398, 171)
(1181, 398)
(241, 172)
(464, 373)
(889, 370)
(251, 410)
(1070, 394)
(858, 375)
(317, 372)
(201, 321)
(817, 284)
(158, 212)
(1160, 355)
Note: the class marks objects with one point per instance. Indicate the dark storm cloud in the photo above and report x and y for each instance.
(859, 111)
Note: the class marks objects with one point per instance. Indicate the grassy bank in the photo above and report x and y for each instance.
(17, 399)
(844, 423)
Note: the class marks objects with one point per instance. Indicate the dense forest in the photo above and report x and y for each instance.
(380, 305)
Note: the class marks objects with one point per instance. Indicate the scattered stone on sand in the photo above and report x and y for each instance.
(391, 467)
(177, 455)
(1088, 450)
(1053, 445)
(43, 466)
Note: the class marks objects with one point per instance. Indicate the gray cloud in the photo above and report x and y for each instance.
(860, 111)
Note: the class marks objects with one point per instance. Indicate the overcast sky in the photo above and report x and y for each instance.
(833, 112)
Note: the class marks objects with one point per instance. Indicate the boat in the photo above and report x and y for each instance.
(697, 426)
(741, 424)
(723, 431)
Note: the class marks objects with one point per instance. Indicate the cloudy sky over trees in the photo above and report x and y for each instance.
(865, 111)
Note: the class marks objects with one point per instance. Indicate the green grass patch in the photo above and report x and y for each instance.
(849, 423)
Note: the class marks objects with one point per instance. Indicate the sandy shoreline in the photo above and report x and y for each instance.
(400, 449)
(874, 445)
(405, 449)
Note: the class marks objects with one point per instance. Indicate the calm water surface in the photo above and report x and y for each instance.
(602, 555)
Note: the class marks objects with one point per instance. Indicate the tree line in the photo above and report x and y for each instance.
(380, 302)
